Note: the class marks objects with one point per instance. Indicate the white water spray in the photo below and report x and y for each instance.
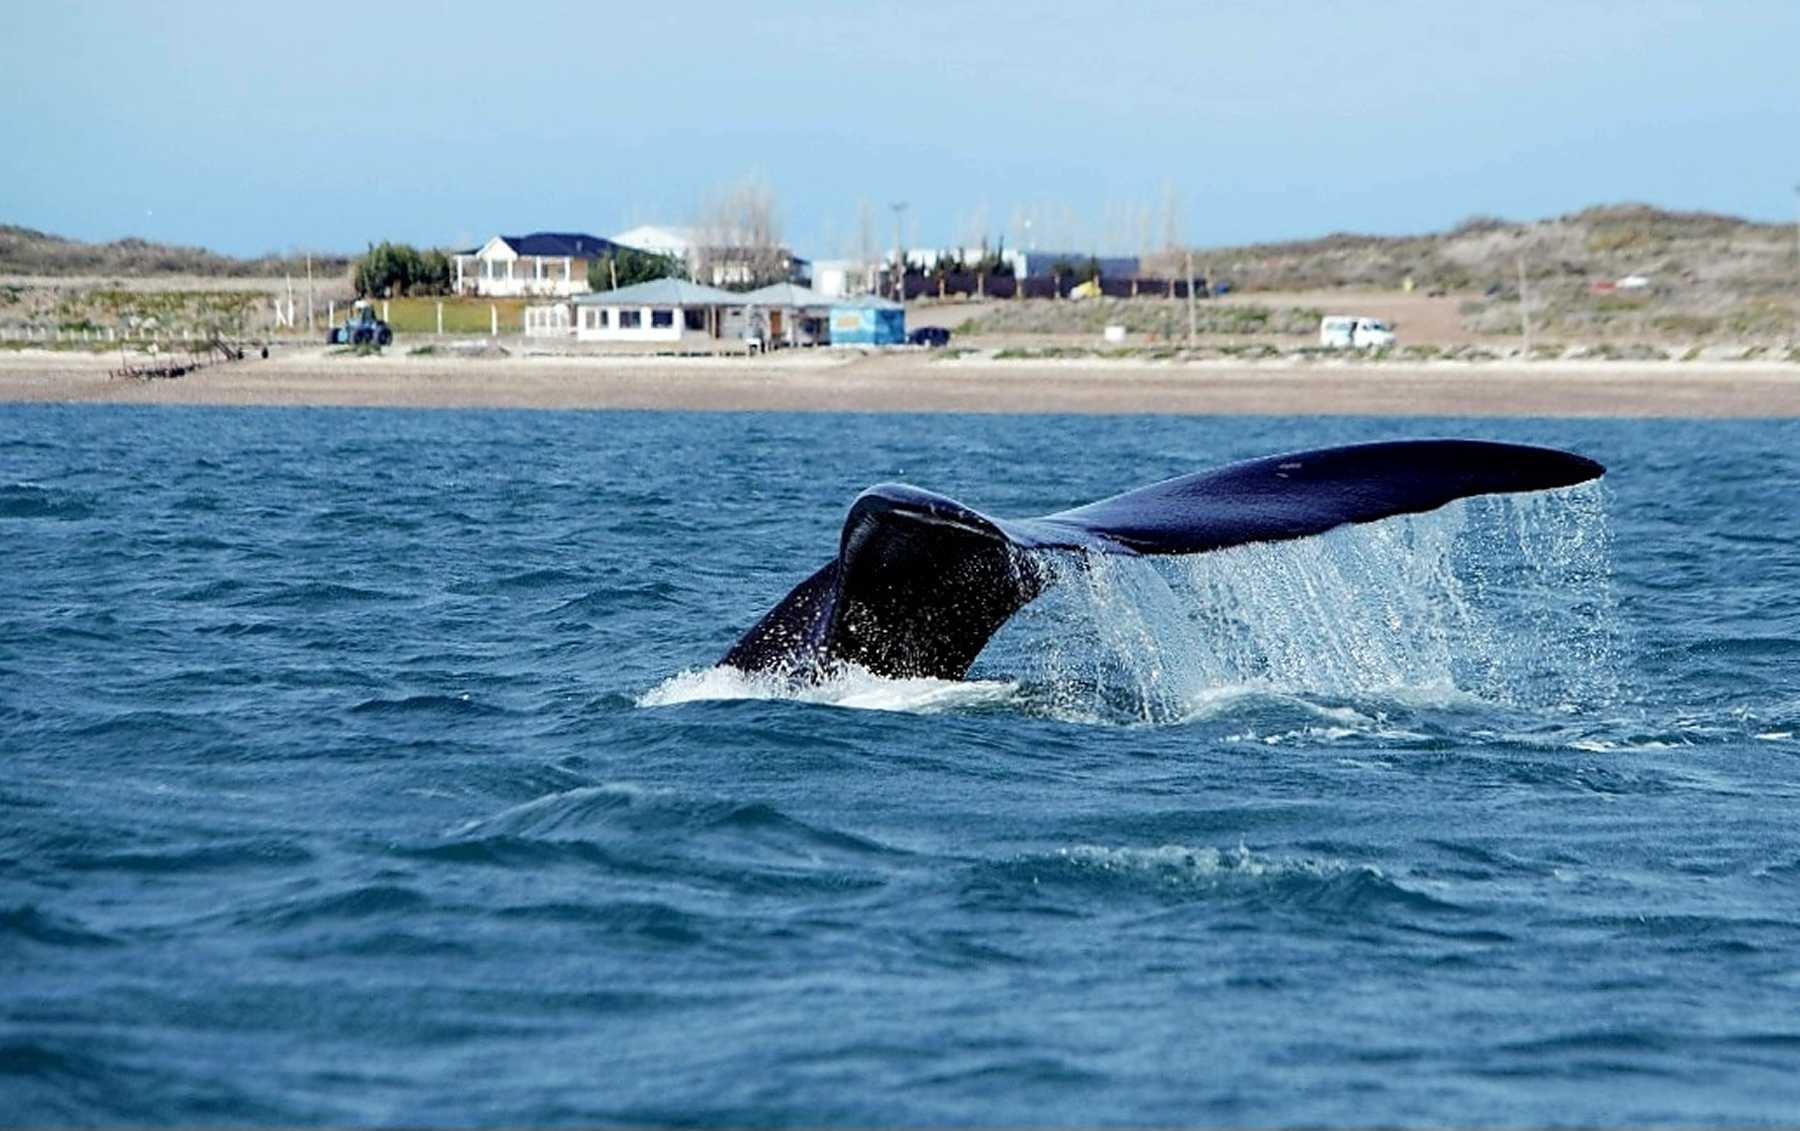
(1506, 598)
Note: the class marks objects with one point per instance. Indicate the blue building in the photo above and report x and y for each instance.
(867, 320)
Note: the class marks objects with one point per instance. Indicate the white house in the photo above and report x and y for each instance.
(662, 310)
(677, 243)
(542, 263)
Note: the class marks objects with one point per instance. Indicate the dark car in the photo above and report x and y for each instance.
(933, 337)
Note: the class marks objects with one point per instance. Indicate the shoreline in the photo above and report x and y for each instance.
(813, 381)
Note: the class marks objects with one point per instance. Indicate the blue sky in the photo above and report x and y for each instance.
(256, 127)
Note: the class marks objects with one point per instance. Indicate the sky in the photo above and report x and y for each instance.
(256, 127)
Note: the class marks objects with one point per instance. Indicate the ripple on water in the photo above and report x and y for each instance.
(1075, 878)
(32, 500)
(665, 836)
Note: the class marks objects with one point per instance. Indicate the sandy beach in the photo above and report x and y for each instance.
(916, 382)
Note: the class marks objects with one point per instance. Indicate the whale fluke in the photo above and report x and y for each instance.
(921, 582)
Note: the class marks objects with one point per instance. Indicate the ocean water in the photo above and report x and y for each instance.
(371, 767)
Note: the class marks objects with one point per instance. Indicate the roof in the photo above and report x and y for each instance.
(867, 302)
(657, 237)
(579, 245)
(664, 292)
(787, 294)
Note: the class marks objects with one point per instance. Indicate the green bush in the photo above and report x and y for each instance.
(394, 270)
(628, 266)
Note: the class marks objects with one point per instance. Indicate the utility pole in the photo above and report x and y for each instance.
(1190, 279)
(1797, 264)
(899, 208)
(1524, 309)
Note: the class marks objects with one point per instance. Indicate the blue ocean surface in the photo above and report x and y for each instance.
(372, 767)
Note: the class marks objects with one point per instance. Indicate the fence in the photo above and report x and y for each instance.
(969, 284)
(101, 335)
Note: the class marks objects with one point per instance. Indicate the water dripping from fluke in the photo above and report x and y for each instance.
(1500, 600)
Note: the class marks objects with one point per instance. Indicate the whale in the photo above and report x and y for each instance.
(921, 582)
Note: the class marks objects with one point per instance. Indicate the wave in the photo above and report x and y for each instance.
(33, 500)
(312, 594)
(51, 929)
(588, 811)
(222, 857)
(850, 687)
(1179, 873)
(661, 836)
(460, 704)
(380, 901)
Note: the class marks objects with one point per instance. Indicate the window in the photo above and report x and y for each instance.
(662, 319)
(695, 318)
(630, 319)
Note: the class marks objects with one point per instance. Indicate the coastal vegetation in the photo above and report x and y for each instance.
(396, 270)
(1155, 317)
(629, 265)
(27, 251)
(207, 313)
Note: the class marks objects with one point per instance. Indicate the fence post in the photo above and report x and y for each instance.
(440, 307)
(493, 320)
(331, 313)
(384, 311)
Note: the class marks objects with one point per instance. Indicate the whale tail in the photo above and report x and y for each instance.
(921, 582)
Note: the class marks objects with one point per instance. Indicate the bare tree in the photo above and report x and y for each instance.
(972, 230)
(1169, 260)
(868, 250)
(739, 237)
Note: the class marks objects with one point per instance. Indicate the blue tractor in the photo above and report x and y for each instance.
(362, 328)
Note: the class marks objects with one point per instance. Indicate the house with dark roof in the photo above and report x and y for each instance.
(542, 263)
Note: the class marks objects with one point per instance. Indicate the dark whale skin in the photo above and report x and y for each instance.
(921, 582)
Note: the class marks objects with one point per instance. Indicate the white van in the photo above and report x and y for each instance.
(1346, 331)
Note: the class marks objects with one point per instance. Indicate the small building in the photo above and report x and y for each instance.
(660, 311)
(788, 314)
(835, 278)
(552, 264)
(867, 320)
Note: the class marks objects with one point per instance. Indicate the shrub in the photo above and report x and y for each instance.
(628, 266)
(395, 270)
